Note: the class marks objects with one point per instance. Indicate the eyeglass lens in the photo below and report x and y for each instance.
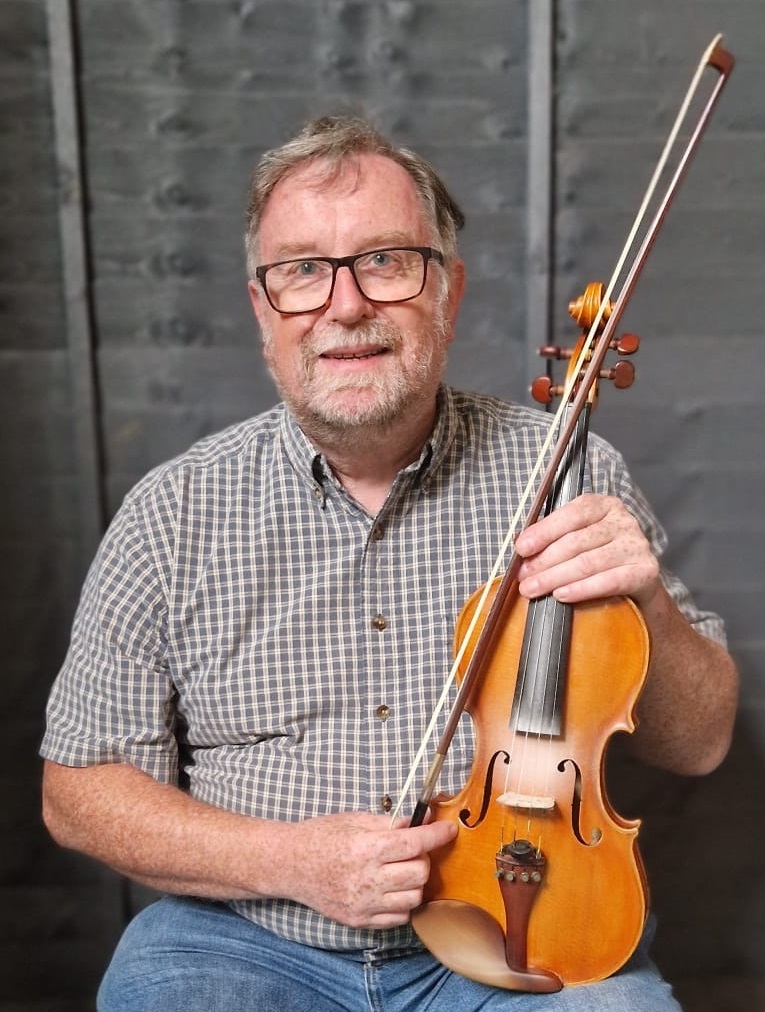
(393, 275)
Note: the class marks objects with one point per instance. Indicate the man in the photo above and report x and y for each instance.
(268, 622)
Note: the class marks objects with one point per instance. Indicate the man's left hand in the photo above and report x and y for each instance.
(592, 547)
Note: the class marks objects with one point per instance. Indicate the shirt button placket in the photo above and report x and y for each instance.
(379, 622)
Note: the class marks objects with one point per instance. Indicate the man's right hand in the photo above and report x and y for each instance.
(356, 869)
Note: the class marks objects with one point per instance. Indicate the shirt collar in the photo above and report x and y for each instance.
(310, 463)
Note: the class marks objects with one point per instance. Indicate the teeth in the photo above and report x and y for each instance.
(367, 354)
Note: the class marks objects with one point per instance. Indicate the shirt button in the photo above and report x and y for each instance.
(378, 532)
(386, 802)
(379, 622)
(383, 711)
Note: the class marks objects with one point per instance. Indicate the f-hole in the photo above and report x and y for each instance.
(576, 806)
(485, 801)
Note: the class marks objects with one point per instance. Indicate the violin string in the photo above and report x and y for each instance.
(555, 424)
(531, 744)
(558, 667)
(570, 486)
(514, 771)
(519, 768)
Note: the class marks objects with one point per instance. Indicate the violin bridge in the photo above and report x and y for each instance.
(527, 802)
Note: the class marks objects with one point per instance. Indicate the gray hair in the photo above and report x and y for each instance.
(335, 140)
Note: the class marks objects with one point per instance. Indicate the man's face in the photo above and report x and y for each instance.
(354, 363)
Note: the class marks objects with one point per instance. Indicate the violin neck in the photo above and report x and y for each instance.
(540, 685)
(569, 479)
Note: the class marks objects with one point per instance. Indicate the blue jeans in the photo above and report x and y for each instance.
(187, 955)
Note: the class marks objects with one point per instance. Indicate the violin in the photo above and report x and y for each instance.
(578, 672)
(543, 886)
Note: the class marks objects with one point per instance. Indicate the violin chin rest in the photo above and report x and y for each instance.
(469, 941)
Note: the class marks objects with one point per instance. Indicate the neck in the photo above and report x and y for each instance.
(366, 460)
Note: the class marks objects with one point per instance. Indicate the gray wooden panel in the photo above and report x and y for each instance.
(206, 92)
(59, 917)
(691, 427)
(179, 99)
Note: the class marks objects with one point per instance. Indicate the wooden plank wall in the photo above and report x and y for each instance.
(177, 101)
(692, 426)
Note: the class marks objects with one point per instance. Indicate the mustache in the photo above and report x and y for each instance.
(338, 337)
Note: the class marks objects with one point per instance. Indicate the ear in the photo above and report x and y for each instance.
(257, 300)
(456, 291)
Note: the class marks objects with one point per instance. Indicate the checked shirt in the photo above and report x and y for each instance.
(249, 632)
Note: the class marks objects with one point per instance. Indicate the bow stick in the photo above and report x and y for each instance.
(595, 348)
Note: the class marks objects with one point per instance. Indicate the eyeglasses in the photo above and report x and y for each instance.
(391, 274)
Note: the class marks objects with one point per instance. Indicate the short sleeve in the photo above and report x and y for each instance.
(113, 699)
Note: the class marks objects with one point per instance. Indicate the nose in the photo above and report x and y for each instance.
(347, 303)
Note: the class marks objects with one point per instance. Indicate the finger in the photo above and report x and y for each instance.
(401, 876)
(581, 514)
(392, 918)
(572, 549)
(615, 541)
(574, 582)
(548, 529)
(413, 841)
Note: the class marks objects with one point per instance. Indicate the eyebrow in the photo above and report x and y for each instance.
(289, 251)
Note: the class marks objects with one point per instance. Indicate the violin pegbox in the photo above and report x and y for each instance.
(591, 315)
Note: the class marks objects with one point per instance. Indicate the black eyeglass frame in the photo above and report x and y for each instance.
(427, 253)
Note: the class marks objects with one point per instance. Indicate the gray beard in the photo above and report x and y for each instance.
(397, 396)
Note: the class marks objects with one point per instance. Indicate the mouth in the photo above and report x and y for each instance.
(352, 354)
(356, 353)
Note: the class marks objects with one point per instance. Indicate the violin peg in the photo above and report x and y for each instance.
(622, 375)
(553, 351)
(627, 344)
(543, 390)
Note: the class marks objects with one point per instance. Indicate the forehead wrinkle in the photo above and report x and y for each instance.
(338, 182)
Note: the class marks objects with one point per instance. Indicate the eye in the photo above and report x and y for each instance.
(381, 259)
(295, 272)
(383, 262)
(306, 268)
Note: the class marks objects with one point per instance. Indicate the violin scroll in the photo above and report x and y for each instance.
(590, 307)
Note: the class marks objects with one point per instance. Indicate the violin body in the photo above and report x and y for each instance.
(572, 907)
